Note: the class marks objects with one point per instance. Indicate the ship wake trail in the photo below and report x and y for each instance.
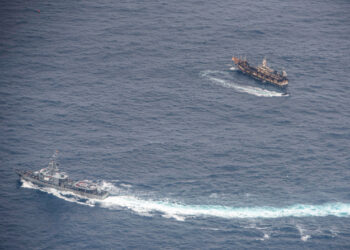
(181, 211)
(178, 211)
(214, 76)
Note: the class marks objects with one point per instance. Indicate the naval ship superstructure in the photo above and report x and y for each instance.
(262, 72)
(52, 177)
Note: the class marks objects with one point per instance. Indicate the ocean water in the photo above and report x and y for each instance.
(142, 97)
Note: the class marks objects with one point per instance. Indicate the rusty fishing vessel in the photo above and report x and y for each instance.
(262, 72)
(53, 178)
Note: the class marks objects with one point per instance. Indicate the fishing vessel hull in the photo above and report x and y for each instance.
(261, 73)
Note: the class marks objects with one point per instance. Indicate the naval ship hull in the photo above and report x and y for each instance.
(28, 176)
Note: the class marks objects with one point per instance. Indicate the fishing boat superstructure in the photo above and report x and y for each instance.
(261, 72)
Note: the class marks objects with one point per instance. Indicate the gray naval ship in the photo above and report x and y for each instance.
(52, 177)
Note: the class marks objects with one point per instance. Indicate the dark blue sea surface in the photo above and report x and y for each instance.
(142, 97)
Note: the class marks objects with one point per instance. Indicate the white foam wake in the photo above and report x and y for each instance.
(180, 212)
(210, 74)
(303, 236)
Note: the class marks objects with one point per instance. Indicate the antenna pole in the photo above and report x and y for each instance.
(53, 162)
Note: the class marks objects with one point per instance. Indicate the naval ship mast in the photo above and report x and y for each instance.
(53, 164)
